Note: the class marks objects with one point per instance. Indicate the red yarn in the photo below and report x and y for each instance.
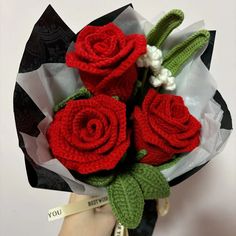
(90, 135)
(164, 127)
(106, 59)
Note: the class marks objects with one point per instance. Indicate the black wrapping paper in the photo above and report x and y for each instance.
(48, 43)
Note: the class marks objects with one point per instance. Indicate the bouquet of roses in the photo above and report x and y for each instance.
(122, 108)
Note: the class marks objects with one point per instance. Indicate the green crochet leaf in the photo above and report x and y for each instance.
(99, 180)
(141, 153)
(180, 54)
(126, 199)
(151, 181)
(164, 27)
(81, 93)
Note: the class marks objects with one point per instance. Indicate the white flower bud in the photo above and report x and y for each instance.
(161, 76)
(152, 58)
(154, 81)
(164, 78)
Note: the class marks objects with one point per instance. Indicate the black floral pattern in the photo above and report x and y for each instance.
(48, 42)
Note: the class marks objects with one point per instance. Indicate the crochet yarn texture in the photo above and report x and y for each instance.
(89, 135)
(164, 127)
(106, 59)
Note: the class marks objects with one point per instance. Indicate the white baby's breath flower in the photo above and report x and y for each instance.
(152, 58)
(164, 78)
(161, 76)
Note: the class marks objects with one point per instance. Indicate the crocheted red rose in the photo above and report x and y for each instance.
(89, 135)
(106, 58)
(164, 127)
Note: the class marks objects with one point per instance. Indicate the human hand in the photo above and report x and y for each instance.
(94, 222)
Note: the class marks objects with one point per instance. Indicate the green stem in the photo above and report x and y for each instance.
(180, 54)
(164, 27)
(145, 73)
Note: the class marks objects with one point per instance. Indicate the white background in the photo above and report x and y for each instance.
(203, 205)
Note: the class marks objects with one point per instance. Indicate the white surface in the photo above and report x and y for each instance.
(203, 205)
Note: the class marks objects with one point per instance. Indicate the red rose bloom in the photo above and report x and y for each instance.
(89, 135)
(164, 127)
(106, 59)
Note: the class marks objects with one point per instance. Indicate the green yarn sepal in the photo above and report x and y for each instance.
(99, 180)
(126, 200)
(81, 93)
(180, 54)
(169, 164)
(164, 27)
(140, 154)
(116, 97)
(151, 181)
